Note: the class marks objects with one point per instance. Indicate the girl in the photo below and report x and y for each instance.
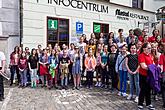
(121, 68)
(64, 63)
(43, 67)
(112, 57)
(53, 64)
(145, 59)
(156, 55)
(98, 66)
(22, 65)
(90, 64)
(162, 66)
(104, 58)
(76, 68)
(33, 66)
(131, 63)
(14, 58)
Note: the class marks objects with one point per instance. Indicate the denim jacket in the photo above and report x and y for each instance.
(122, 65)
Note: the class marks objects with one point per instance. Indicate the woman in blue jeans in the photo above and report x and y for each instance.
(122, 70)
(132, 67)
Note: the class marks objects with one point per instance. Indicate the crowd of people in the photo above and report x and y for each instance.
(111, 60)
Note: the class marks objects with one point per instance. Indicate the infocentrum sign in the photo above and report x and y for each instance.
(80, 5)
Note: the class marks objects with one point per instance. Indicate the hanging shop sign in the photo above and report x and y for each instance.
(125, 15)
(79, 5)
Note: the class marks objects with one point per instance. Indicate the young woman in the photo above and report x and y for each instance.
(22, 65)
(122, 70)
(131, 63)
(90, 64)
(33, 67)
(155, 38)
(44, 67)
(104, 67)
(76, 68)
(162, 66)
(53, 64)
(145, 59)
(14, 58)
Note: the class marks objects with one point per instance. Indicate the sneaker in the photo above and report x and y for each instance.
(97, 83)
(140, 107)
(129, 97)
(74, 88)
(124, 94)
(136, 99)
(156, 97)
(151, 107)
(119, 94)
(78, 88)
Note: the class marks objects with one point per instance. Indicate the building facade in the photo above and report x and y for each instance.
(63, 21)
(9, 26)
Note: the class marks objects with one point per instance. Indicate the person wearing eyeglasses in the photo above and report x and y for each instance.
(145, 59)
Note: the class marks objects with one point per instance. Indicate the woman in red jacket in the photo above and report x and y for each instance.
(145, 59)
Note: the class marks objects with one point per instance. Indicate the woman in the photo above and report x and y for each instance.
(76, 68)
(145, 59)
(155, 38)
(131, 63)
(90, 64)
(33, 67)
(14, 58)
(22, 65)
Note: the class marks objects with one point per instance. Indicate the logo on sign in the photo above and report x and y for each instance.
(79, 27)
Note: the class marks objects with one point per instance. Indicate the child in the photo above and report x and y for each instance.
(44, 67)
(64, 63)
(53, 64)
(98, 67)
(104, 67)
(131, 63)
(90, 64)
(33, 66)
(22, 65)
(122, 70)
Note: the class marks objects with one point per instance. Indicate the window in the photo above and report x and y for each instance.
(100, 28)
(137, 4)
(57, 31)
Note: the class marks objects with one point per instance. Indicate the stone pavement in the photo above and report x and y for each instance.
(84, 99)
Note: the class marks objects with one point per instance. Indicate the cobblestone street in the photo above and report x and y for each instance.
(84, 99)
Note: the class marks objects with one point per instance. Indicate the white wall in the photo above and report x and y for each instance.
(153, 5)
(34, 20)
(122, 2)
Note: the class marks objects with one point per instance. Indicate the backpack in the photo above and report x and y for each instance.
(153, 77)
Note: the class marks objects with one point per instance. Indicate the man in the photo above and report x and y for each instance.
(2, 70)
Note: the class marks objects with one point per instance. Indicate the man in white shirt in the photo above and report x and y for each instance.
(2, 70)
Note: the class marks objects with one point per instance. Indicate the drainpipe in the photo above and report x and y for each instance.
(21, 20)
